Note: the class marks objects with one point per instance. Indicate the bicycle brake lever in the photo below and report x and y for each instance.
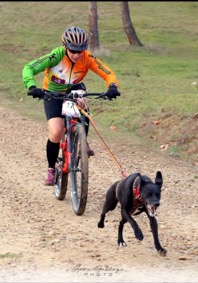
(46, 96)
(103, 96)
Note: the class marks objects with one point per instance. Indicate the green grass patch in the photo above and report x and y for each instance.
(9, 255)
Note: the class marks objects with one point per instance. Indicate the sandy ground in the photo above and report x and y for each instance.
(42, 240)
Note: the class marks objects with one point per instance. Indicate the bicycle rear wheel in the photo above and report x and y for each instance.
(79, 170)
(61, 179)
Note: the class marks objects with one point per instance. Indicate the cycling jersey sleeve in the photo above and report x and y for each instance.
(98, 67)
(39, 65)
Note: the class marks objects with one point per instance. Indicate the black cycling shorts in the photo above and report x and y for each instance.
(53, 108)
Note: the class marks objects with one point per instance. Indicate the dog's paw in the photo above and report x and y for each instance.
(139, 235)
(122, 244)
(100, 224)
(162, 252)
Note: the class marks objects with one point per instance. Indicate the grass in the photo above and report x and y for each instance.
(9, 255)
(155, 79)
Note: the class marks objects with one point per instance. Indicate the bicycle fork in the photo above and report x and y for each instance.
(66, 144)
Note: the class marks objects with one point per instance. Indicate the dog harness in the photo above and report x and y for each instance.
(137, 202)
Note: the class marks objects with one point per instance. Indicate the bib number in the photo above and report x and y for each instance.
(70, 108)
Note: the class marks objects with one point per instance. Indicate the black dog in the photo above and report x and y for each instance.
(136, 194)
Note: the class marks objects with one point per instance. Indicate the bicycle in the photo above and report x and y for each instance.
(73, 157)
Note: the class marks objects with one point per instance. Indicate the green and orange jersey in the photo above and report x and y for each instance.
(61, 73)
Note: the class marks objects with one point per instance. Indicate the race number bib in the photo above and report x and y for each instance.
(69, 108)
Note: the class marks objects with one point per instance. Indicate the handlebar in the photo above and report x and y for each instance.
(69, 96)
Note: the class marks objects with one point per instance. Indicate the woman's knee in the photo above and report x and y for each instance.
(55, 127)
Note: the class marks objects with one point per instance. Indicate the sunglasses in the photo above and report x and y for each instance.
(75, 52)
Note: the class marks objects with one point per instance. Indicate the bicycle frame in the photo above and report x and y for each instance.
(66, 144)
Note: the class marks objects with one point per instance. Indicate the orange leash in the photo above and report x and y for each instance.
(123, 173)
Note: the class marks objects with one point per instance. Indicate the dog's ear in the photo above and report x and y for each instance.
(143, 180)
(159, 179)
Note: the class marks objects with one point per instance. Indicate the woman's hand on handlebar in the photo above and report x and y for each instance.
(112, 92)
(35, 92)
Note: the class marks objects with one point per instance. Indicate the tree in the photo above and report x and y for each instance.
(128, 26)
(93, 26)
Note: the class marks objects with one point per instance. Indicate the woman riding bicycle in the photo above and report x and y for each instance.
(65, 68)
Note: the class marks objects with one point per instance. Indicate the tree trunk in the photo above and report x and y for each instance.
(128, 26)
(93, 26)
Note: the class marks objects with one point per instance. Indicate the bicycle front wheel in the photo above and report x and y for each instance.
(79, 170)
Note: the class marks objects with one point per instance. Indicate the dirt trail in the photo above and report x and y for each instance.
(41, 240)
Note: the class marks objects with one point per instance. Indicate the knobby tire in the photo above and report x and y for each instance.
(79, 170)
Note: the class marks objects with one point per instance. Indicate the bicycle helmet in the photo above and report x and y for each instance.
(75, 38)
